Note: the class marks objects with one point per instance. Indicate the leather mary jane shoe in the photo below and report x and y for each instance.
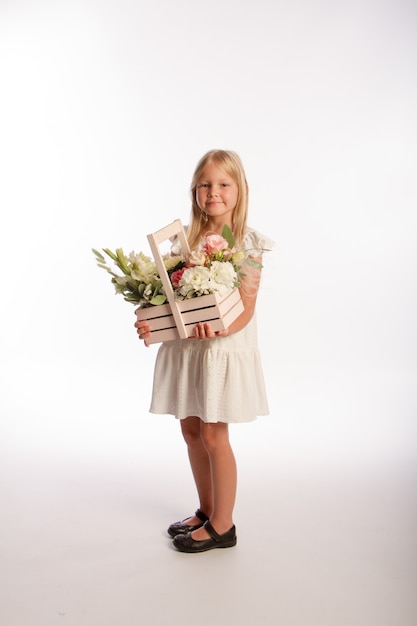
(179, 528)
(185, 543)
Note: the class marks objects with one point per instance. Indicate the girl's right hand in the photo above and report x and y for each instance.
(143, 330)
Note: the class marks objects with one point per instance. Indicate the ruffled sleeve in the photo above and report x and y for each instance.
(256, 243)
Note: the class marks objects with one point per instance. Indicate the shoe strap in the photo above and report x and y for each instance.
(213, 534)
(201, 515)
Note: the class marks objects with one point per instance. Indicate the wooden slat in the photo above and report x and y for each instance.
(174, 229)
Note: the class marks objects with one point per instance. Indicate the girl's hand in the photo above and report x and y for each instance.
(204, 331)
(143, 330)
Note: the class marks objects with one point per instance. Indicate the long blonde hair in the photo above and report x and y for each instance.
(229, 162)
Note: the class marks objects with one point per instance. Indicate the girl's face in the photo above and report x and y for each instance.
(217, 193)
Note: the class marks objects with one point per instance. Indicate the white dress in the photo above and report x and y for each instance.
(217, 380)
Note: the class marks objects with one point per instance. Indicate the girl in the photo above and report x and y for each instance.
(214, 378)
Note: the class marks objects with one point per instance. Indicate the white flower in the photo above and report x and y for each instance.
(143, 268)
(195, 279)
(172, 261)
(223, 275)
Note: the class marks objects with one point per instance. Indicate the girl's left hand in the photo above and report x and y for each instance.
(204, 331)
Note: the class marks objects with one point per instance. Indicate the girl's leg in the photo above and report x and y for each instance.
(215, 438)
(200, 465)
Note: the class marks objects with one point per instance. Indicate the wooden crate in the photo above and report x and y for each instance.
(177, 318)
(220, 311)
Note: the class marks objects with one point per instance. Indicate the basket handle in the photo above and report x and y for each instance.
(155, 239)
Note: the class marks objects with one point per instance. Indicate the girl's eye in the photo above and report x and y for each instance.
(225, 185)
(205, 185)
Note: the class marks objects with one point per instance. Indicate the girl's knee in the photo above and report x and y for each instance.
(191, 430)
(214, 436)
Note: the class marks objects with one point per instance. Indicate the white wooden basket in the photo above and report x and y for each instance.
(177, 318)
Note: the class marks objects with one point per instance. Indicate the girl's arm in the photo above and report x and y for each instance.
(248, 292)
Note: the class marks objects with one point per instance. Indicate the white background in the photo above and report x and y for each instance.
(106, 108)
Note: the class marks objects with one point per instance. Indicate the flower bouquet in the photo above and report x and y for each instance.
(176, 291)
(139, 282)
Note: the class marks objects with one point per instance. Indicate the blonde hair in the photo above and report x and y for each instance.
(231, 164)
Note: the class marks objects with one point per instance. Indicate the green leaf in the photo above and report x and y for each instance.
(110, 254)
(131, 299)
(156, 286)
(253, 263)
(228, 235)
(158, 300)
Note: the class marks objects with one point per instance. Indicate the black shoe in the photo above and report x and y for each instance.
(185, 543)
(179, 528)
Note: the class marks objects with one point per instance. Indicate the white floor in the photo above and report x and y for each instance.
(326, 529)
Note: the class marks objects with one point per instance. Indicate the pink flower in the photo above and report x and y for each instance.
(215, 243)
(176, 277)
(197, 257)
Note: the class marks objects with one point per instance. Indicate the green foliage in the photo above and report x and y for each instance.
(228, 235)
(157, 300)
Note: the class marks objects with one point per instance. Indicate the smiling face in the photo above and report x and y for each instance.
(217, 194)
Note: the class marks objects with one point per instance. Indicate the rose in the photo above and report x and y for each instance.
(197, 257)
(215, 243)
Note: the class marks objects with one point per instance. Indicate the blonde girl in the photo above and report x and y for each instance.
(215, 378)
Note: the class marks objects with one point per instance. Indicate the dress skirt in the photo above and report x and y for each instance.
(217, 380)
